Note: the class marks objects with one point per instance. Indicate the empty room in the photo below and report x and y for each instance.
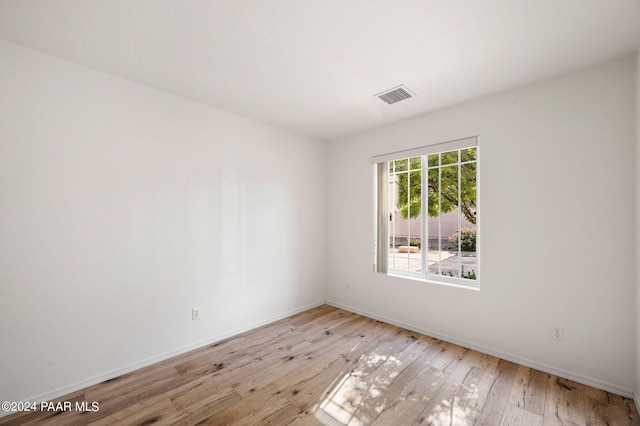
(319, 212)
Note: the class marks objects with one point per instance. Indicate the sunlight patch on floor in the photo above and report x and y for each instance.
(359, 387)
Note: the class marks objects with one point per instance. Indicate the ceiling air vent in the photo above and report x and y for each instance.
(396, 94)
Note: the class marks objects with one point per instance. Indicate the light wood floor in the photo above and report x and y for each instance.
(327, 366)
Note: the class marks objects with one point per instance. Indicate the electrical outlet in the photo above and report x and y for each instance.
(195, 314)
(557, 333)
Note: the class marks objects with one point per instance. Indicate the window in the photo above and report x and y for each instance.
(427, 211)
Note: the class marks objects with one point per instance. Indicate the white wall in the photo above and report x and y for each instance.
(556, 167)
(122, 207)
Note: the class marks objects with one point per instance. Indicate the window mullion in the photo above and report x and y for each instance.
(393, 217)
(459, 217)
(440, 214)
(424, 232)
(409, 214)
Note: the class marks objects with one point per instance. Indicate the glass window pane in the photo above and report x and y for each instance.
(469, 264)
(434, 160)
(468, 154)
(449, 189)
(400, 240)
(433, 222)
(400, 165)
(415, 194)
(450, 157)
(433, 192)
(415, 163)
(449, 219)
(406, 222)
(468, 260)
(468, 189)
(449, 255)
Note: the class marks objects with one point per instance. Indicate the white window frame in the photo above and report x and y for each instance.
(381, 222)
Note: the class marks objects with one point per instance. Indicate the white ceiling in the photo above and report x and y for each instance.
(312, 67)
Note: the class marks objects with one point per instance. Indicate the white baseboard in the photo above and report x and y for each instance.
(489, 351)
(637, 401)
(57, 393)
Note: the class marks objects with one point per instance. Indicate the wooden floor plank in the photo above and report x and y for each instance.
(256, 408)
(154, 410)
(516, 416)
(528, 390)
(292, 359)
(444, 407)
(564, 402)
(493, 411)
(327, 366)
(362, 381)
(389, 381)
(206, 408)
(418, 393)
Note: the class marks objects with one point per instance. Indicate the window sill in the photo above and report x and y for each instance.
(475, 285)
